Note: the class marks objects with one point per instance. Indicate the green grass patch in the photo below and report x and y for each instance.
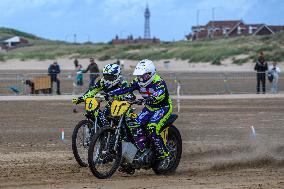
(216, 61)
(241, 61)
(2, 59)
(8, 32)
(213, 51)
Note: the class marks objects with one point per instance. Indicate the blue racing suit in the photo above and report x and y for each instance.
(154, 115)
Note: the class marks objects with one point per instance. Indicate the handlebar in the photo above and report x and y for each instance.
(138, 101)
(99, 98)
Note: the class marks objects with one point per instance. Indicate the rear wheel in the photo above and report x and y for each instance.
(81, 140)
(103, 159)
(174, 145)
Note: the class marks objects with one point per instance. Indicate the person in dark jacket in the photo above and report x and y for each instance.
(76, 63)
(261, 67)
(94, 70)
(53, 70)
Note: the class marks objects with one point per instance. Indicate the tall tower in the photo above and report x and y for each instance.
(147, 34)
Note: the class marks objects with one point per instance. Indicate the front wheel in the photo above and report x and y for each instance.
(174, 145)
(81, 140)
(103, 158)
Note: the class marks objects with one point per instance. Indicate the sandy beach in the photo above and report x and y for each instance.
(218, 151)
(173, 65)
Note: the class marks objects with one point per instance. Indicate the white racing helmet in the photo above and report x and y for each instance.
(111, 75)
(145, 71)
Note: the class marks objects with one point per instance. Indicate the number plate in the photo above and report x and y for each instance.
(91, 104)
(119, 107)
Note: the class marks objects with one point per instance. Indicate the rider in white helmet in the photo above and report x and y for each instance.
(110, 81)
(158, 106)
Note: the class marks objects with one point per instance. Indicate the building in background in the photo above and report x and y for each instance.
(8, 43)
(147, 34)
(230, 28)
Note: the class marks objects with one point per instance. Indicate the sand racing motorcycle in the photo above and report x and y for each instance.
(112, 148)
(83, 131)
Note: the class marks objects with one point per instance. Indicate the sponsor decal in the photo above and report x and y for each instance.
(146, 92)
(158, 93)
(133, 115)
(158, 115)
(142, 115)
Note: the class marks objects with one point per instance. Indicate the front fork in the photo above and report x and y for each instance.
(117, 133)
(88, 131)
(96, 125)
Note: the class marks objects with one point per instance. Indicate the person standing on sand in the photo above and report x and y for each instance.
(260, 67)
(94, 70)
(53, 70)
(79, 76)
(275, 71)
(78, 83)
(76, 63)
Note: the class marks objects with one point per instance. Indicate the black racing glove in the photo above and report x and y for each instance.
(107, 97)
(149, 101)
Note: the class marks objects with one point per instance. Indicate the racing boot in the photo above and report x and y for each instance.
(144, 158)
(163, 154)
(127, 168)
(161, 149)
(138, 135)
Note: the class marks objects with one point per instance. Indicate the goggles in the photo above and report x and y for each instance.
(110, 77)
(145, 77)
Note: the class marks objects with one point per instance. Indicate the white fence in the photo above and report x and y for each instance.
(185, 83)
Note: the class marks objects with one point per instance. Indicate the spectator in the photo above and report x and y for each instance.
(275, 72)
(76, 63)
(117, 62)
(120, 63)
(79, 75)
(261, 67)
(94, 70)
(79, 79)
(53, 70)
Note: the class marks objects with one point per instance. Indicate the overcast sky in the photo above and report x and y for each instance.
(101, 20)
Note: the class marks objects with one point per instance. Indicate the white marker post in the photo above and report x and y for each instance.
(62, 134)
(253, 133)
(178, 95)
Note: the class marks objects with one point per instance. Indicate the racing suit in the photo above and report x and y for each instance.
(101, 86)
(156, 112)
